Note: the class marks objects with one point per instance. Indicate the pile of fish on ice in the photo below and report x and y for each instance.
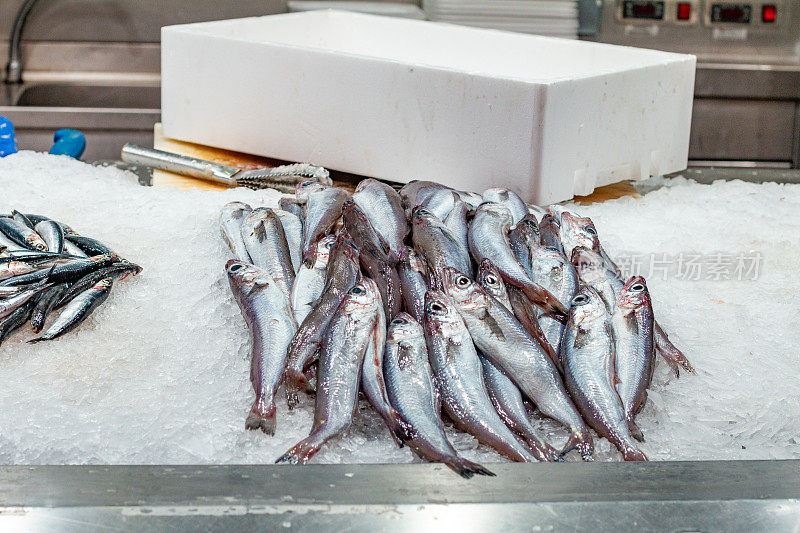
(45, 265)
(435, 297)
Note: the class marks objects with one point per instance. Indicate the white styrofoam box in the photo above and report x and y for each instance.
(404, 99)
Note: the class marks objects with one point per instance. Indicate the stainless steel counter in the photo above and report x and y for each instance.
(666, 496)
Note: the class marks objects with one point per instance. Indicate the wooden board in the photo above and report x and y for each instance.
(162, 178)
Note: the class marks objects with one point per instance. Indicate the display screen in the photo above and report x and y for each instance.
(733, 13)
(637, 9)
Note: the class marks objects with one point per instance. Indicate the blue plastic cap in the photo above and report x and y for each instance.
(8, 142)
(68, 142)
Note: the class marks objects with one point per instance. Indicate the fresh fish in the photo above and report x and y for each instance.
(672, 355)
(266, 244)
(412, 274)
(116, 271)
(71, 249)
(70, 271)
(373, 384)
(323, 209)
(507, 401)
(310, 281)
(525, 313)
(230, 224)
(587, 355)
(503, 340)
(549, 230)
(46, 303)
(472, 199)
(487, 239)
(415, 192)
(576, 231)
(632, 321)
(523, 238)
(489, 278)
(441, 202)
(293, 206)
(15, 320)
(363, 234)
(78, 310)
(340, 361)
(388, 280)
(411, 391)
(384, 210)
(510, 199)
(272, 326)
(304, 188)
(7, 245)
(437, 245)
(293, 229)
(554, 272)
(87, 245)
(459, 377)
(21, 234)
(53, 234)
(15, 268)
(341, 275)
(22, 219)
(11, 304)
(456, 222)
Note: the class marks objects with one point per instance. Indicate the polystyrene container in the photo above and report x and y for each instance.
(404, 99)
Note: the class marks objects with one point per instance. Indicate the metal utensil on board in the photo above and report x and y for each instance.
(283, 178)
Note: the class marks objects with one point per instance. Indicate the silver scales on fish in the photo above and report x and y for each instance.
(439, 304)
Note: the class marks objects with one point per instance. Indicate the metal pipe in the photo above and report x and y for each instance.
(14, 66)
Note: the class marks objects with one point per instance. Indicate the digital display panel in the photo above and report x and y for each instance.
(731, 13)
(638, 9)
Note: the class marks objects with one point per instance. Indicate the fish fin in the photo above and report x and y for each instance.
(262, 416)
(466, 468)
(580, 440)
(34, 341)
(543, 299)
(669, 352)
(300, 453)
(494, 327)
(260, 231)
(580, 337)
(631, 453)
(636, 432)
(541, 450)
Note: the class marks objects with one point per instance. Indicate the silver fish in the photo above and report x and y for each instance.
(441, 202)
(304, 188)
(388, 280)
(230, 224)
(384, 209)
(341, 275)
(554, 272)
(587, 355)
(415, 192)
(15, 268)
(413, 273)
(11, 304)
(489, 278)
(525, 313)
(78, 310)
(503, 340)
(266, 244)
(323, 209)
(549, 231)
(21, 234)
(456, 222)
(53, 234)
(472, 199)
(632, 321)
(523, 238)
(577, 231)
(360, 229)
(46, 303)
(293, 229)
(271, 324)
(437, 245)
(459, 377)
(510, 199)
(340, 361)
(488, 240)
(507, 400)
(411, 391)
(292, 205)
(310, 281)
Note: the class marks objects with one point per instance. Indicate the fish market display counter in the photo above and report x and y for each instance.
(159, 376)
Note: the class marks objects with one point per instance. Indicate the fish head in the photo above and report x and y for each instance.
(246, 278)
(363, 298)
(369, 182)
(403, 326)
(304, 188)
(586, 306)
(323, 251)
(549, 223)
(421, 215)
(353, 213)
(104, 284)
(496, 210)
(578, 231)
(634, 294)
(529, 227)
(441, 314)
(489, 278)
(344, 245)
(464, 292)
(234, 210)
(548, 262)
(588, 263)
(410, 258)
(36, 242)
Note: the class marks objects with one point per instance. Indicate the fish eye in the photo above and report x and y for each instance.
(637, 287)
(580, 300)
(236, 267)
(436, 307)
(491, 280)
(357, 290)
(590, 230)
(463, 281)
(398, 321)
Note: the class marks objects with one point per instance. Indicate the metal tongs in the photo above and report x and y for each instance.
(283, 178)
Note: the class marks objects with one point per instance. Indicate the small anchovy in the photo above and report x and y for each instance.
(70, 271)
(21, 234)
(456, 222)
(383, 208)
(523, 238)
(31, 256)
(15, 268)
(269, 318)
(46, 303)
(411, 391)
(554, 272)
(504, 341)
(310, 281)
(340, 361)
(15, 320)
(632, 321)
(363, 234)
(459, 376)
(53, 234)
(293, 229)
(388, 280)
(22, 219)
(549, 230)
(412, 273)
(587, 355)
(342, 274)
(488, 239)
(11, 304)
(510, 199)
(116, 271)
(441, 202)
(230, 224)
(507, 400)
(78, 310)
(373, 384)
(266, 245)
(89, 246)
(437, 245)
(323, 209)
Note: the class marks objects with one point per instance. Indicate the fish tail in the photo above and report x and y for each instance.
(542, 298)
(671, 354)
(300, 453)
(37, 339)
(635, 431)
(631, 453)
(580, 440)
(466, 468)
(541, 450)
(262, 416)
(400, 429)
